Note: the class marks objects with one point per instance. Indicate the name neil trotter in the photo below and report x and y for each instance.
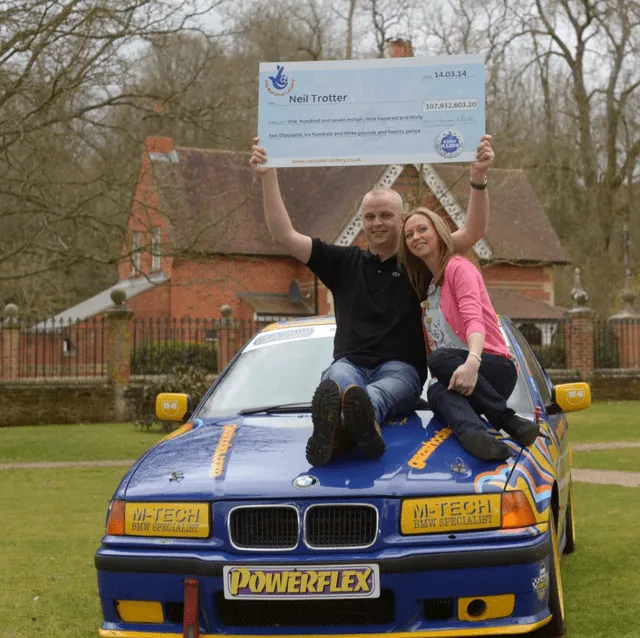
(313, 98)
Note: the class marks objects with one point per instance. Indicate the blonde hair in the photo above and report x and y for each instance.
(419, 274)
(390, 194)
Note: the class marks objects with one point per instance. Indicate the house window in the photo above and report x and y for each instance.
(66, 346)
(135, 252)
(155, 248)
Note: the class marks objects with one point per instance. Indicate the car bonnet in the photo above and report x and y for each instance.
(263, 456)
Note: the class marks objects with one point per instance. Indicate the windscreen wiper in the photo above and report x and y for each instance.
(283, 407)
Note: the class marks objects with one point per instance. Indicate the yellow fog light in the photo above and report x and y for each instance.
(485, 607)
(140, 611)
(516, 511)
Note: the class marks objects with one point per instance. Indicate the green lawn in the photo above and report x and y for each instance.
(48, 581)
(87, 442)
(53, 520)
(604, 421)
(625, 460)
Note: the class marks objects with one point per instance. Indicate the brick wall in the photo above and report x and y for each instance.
(535, 282)
(145, 215)
(199, 288)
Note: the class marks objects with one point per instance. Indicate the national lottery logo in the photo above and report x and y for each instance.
(449, 144)
(279, 84)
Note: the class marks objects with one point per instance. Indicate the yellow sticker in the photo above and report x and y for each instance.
(179, 520)
(220, 453)
(450, 513)
(419, 460)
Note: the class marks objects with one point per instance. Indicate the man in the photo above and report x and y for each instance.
(379, 364)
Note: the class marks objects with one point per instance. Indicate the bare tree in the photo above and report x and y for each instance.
(66, 66)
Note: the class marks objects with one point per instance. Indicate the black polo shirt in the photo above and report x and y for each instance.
(378, 313)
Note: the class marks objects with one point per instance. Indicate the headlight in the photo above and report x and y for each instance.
(443, 514)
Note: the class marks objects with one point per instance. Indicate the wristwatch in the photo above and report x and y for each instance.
(479, 187)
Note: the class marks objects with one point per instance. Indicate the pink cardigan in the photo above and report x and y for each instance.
(466, 306)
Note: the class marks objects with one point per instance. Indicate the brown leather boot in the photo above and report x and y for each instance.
(360, 422)
(325, 414)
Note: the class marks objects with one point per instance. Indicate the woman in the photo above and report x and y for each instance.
(471, 368)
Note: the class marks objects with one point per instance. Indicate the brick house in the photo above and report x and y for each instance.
(198, 240)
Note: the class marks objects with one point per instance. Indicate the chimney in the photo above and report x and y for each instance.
(398, 48)
(156, 129)
(163, 145)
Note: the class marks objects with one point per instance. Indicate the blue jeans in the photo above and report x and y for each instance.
(393, 387)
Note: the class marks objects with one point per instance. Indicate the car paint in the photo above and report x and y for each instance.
(274, 444)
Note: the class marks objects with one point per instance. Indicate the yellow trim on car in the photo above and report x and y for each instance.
(509, 630)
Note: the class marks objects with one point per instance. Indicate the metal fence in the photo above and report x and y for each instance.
(51, 348)
(161, 344)
(54, 348)
(547, 338)
(616, 343)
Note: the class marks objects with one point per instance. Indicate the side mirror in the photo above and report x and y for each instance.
(171, 406)
(569, 397)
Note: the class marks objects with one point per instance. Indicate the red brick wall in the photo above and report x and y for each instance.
(145, 215)
(535, 282)
(200, 288)
(152, 303)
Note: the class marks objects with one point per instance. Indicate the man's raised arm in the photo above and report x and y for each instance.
(275, 213)
(477, 220)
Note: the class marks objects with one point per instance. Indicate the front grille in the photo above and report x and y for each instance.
(328, 526)
(264, 527)
(306, 613)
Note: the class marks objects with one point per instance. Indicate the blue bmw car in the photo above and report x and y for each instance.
(223, 528)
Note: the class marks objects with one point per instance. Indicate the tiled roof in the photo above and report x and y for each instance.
(511, 304)
(214, 203)
(264, 303)
(102, 301)
(519, 229)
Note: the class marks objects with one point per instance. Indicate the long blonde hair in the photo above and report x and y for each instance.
(419, 274)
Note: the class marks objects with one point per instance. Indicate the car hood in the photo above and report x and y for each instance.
(263, 456)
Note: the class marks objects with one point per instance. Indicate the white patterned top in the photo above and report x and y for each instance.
(439, 333)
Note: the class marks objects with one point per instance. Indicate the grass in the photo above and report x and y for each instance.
(624, 460)
(602, 579)
(86, 442)
(614, 421)
(53, 521)
(48, 581)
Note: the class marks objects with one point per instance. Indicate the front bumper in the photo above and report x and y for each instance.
(414, 581)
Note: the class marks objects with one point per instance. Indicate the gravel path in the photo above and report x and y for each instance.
(606, 477)
(51, 465)
(606, 445)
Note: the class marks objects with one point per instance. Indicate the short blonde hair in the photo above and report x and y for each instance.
(419, 275)
(379, 193)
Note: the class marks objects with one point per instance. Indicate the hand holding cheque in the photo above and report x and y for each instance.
(359, 112)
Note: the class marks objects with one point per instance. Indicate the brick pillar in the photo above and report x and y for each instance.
(118, 350)
(227, 337)
(10, 343)
(579, 340)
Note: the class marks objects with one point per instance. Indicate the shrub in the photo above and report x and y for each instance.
(161, 357)
(186, 379)
(551, 356)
